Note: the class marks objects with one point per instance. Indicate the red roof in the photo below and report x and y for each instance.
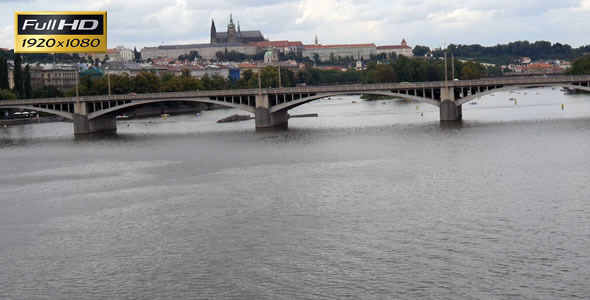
(247, 65)
(340, 46)
(540, 66)
(277, 44)
(112, 51)
(394, 47)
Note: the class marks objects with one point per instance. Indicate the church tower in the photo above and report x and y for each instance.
(213, 32)
(231, 31)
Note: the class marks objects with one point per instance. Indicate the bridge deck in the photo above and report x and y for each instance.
(353, 88)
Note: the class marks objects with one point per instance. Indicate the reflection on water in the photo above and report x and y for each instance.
(369, 200)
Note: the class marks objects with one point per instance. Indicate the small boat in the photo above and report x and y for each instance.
(198, 115)
(353, 101)
(121, 117)
(164, 116)
(472, 103)
(512, 99)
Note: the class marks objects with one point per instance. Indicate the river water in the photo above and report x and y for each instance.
(371, 200)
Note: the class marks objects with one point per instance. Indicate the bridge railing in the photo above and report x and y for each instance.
(306, 90)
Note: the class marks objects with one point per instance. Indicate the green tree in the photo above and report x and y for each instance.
(580, 66)
(4, 73)
(173, 84)
(146, 82)
(472, 70)
(19, 86)
(120, 84)
(28, 88)
(47, 92)
(420, 50)
(6, 95)
(245, 79)
(136, 55)
(220, 56)
(385, 74)
(191, 84)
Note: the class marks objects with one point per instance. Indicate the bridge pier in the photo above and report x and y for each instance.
(266, 119)
(449, 111)
(84, 126)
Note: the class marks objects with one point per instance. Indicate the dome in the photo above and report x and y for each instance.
(268, 53)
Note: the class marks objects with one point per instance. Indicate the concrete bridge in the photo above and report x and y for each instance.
(270, 106)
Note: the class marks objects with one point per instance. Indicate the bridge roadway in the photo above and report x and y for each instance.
(270, 105)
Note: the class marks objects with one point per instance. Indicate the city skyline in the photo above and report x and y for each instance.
(421, 22)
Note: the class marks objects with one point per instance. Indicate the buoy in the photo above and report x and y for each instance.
(416, 107)
(562, 106)
(5, 126)
(421, 114)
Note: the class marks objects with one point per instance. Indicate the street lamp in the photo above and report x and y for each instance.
(108, 79)
(280, 75)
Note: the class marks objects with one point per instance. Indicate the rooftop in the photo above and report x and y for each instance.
(340, 46)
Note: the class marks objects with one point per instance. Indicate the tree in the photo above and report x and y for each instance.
(146, 82)
(4, 73)
(47, 92)
(173, 84)
(472, 70)
(19, 86)
(191, 56)
(120, 84)
(385, 74)
(220, 56)
(136, 55)
(186, 73)
(6, 95)
(28, 89)
(580, 66)
(421, 50)
(316, 59)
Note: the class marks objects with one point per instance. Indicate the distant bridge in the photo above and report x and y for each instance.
(270, 106)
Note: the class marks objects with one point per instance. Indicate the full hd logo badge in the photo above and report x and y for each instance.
(60, 32)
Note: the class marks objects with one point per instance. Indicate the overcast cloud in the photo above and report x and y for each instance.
(425, 22)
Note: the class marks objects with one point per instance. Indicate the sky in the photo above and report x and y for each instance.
(433, 23)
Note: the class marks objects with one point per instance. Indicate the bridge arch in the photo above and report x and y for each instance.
(516, 87)
(295, 103)
(113, 109)
(64, 114)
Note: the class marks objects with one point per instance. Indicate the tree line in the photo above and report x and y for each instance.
(21, 77)
(504, 54)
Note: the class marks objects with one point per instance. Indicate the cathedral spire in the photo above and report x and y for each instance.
(239, 26)
(231, 19)
(213, 32)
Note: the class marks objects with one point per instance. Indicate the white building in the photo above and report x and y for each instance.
(206, 51)
(402, 49)
(125, 54)
(325, 52)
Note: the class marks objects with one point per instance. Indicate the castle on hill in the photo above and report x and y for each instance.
(234, 35)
